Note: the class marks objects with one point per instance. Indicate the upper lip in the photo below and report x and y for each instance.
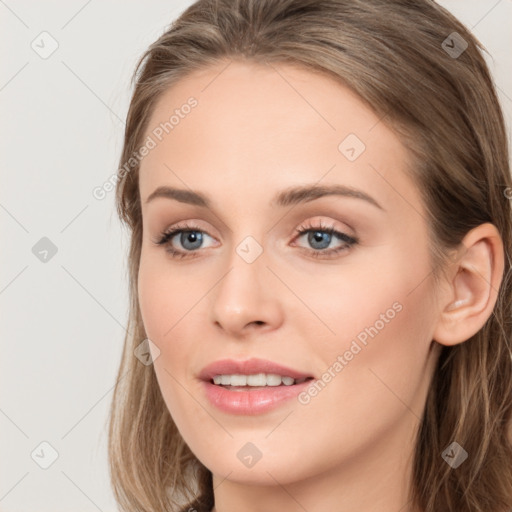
(248, 367)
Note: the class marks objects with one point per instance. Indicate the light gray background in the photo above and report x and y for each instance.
(62, 322)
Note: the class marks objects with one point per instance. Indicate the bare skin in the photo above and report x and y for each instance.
(252, 135)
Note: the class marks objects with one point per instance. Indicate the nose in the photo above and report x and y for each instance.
(246, 299)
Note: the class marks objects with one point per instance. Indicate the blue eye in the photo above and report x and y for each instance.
(319, 237)
(190, 238)
(195, 238)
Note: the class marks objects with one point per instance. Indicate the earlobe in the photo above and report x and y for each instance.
(468, 301)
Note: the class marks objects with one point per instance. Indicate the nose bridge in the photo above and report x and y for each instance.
(244, 294)
(247, 256)
(242, 283)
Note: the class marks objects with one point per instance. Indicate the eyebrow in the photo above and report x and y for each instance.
(289, 196)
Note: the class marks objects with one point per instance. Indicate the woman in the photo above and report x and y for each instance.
(320, 235)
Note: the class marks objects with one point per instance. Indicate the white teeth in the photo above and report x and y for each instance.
(288, 381)
(273, 379)
(238, 380)
(258, 379)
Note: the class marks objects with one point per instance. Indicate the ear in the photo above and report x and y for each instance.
(476, 274)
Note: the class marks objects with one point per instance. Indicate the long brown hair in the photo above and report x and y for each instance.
(403, 59)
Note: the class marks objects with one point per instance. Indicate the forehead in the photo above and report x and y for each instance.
(256, 126)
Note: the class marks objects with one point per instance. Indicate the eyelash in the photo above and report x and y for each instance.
(166, 237)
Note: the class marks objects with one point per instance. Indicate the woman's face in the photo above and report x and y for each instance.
(353, 310)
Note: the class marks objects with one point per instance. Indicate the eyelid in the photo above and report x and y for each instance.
(320, 224)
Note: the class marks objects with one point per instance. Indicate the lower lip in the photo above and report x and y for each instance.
(252, 401)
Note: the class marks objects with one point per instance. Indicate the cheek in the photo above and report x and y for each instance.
(385, 296)
(166, 297)
(377, 362)
(171, 311)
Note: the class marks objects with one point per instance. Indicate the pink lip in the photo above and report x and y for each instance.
(250, 401)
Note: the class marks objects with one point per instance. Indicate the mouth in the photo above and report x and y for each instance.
(251, 387)
(253, 369)
(240, 382)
